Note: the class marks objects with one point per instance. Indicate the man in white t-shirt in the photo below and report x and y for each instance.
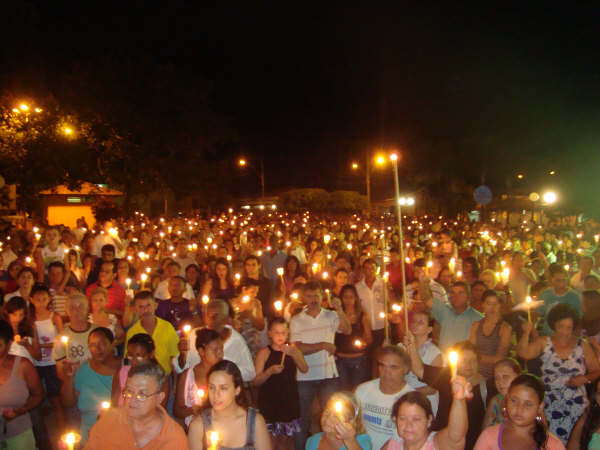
(377, 396)
(313, 331)
(371, 293)
(51, 252)
(182, 256)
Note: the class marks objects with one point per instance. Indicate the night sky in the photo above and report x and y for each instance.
(483, 92)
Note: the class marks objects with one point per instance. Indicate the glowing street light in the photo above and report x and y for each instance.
(24, 107)
(242, 162)
(550, 197)
(261, 174)
(520, 176)
(354, 166)
(552, 172)
(380, 160)
(68, 131)
(406, 201)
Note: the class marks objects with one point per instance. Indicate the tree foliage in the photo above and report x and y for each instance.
(321, 200)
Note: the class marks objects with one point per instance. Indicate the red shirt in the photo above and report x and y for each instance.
(396, 275)
(116, 295)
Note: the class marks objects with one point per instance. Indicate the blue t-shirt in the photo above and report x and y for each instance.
(550, 299)
(453, 327)
(93, 389)
(312, 443)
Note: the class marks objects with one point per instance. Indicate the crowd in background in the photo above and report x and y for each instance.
(275, 330)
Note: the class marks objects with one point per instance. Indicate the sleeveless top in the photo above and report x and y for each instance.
(487, 345)
(250, 429)
(190, 393)
(345, 343)
(46, 335)
(123, 374)
(278, 398)
(14, 394)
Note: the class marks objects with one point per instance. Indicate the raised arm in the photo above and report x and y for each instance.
(453, 436)
(529, 350)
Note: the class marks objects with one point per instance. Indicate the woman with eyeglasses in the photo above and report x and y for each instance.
(91, 384)
(142, 422)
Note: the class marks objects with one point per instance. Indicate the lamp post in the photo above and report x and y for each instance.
(242, 162)
(401, 201)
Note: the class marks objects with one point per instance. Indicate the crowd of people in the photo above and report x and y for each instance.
(276, 330)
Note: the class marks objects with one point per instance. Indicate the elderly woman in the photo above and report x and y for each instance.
(341, 425)
(142, 422)
(568, 363)
(20, 392)
(92, 383)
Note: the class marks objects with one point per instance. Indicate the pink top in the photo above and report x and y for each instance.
(122, 380)
(394, 444)
(491, 439)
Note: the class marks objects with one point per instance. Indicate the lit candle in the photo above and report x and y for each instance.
(278, 304)
(105, 405)
(128, 282)
(349, 247)
(505, 275)
(214, 440)
(144, 277)
(245, 299)
(358, 343)
(64, 340)
(453, 361)
(396, 307)
(17, 338)
(200, 394)
(315, 268)
(70, 439)
(339, 410)
(187, 328)
(325, 275)
(205, 299)
(326, 239)
(528, 301)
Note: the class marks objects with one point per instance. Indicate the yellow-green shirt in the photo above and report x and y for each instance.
(165, 341)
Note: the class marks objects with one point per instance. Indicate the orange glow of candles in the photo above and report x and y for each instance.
(382, 315)
(144, 278)
(349, 247)
(200, 394)
(205, 299)
(105, 405)
(64, 340)
(396, 307)
(214, 440)
(505, 275)
(70, 439)
(528, 301)
(453, 361)
(187, 328)
(325, 275)
(128, 282)
(17, 338)
(358, 343)
(339, 410)
(245, 299)
(315, 268)
(278, 305)
(326, 239)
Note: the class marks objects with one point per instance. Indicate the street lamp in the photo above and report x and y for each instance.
(354, 166)
(261, 174)
(549, 197)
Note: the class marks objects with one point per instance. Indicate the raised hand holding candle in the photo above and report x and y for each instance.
(144, 277)
(339, 410)
(453, 362)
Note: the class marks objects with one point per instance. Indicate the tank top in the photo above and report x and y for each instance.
(345, 343)
(14, 394)
(190, 393)
(250, 429)
(123, 374)
(487, 345)
(46, 335)
(278, 398)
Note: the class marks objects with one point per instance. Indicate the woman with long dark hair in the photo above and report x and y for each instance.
(228, 423)
(586, 433)
(523, 426)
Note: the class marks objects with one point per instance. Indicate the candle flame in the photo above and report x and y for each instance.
(453, 358)
(278, 305)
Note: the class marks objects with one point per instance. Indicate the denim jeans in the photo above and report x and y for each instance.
(353, 371)
(307, 391)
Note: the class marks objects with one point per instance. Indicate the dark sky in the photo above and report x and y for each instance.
(484, 90)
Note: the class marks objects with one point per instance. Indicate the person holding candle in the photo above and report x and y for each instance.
(351, 349)
(490, 335)
(439, 378)
(341, 425)
(115, 303)
(140, 350)
(90, 385)
(177, 310)
(162, 290)
(20, 392)
(192, 384)
(421, 327)
(586, 433)
(233, 426)
(248, 315)
(567, 361)
(558, 292)
(252, 270)
(378, 396)
(313, 332)
(25, 281)
(220, 285)
(276, 366)
(414, 418)
(370, 291)
(142, 422)
(523, 426)
(25, 343)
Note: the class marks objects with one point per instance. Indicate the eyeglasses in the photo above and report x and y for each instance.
(128, 395)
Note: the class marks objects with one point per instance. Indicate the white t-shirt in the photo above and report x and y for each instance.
(8, 256)
(103, 239)
(428, 352)
(377, 411)
(235, 350)
(311, 330)
(18, 350)
(50, 256)
(162, 291)
(371, 300)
